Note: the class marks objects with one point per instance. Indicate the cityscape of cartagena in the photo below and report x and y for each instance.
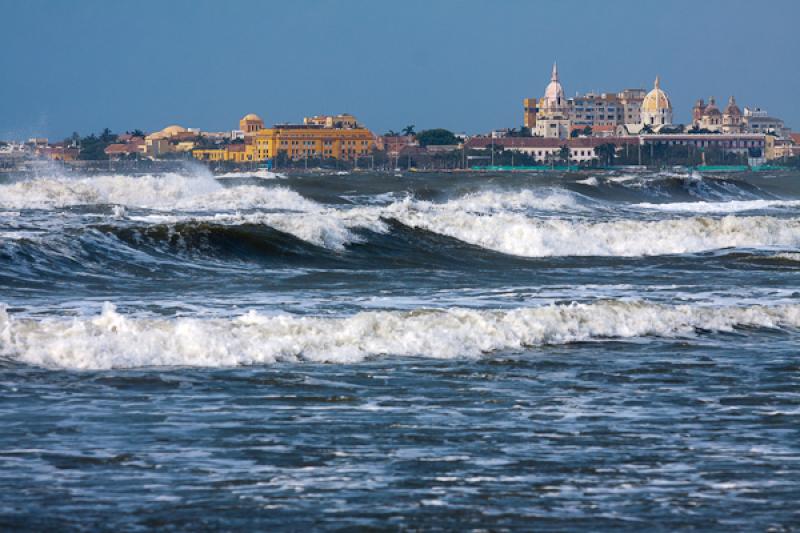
(431, 265)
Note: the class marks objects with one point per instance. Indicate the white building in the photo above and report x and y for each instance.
(757, 120)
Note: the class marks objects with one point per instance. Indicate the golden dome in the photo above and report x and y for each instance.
(169, 131)
(174, 129)
(656, 100)
(252, 116)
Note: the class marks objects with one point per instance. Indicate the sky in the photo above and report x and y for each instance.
(463, 65)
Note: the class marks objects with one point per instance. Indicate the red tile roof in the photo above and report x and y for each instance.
(542, 142)
(121, 148)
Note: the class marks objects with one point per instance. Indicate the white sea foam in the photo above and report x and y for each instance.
(112, 340)
(788, 256)
(164, 192)
(260, 174)
(733, 206)
(519, 235)
(494, 221)
(494, 201)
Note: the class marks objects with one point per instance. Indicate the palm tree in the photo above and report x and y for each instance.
(409, 130)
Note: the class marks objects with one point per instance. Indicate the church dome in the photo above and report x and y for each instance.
(656, 100)
(252, 116)
(173, 130)
(711, 108)
(554, 91)
(732, 109)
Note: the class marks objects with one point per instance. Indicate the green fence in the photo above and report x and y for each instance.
(557, 168)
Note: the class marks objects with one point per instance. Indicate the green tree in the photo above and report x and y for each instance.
(93, 147)
(107, 136)
(409, 130)
(563, 154)
(436, 137)
(606, 153)
(282, 159)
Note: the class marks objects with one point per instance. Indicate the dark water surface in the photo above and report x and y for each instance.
(454, 352)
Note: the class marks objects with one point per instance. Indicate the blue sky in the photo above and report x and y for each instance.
(463, 65)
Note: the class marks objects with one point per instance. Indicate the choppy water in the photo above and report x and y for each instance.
(608, 351)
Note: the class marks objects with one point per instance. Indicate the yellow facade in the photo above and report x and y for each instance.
(325, 137)
(300, 142)
(531, 108)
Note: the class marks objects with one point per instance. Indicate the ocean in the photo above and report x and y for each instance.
(613, 350)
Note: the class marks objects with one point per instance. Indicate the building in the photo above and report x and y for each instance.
(552, 120)
(593, 109)
(756, 120)
(732, 121)
(782, 148)
(748, 145)
(302, 141)
(547, 150)
(656, 108)
(631, 101)
(711, 119)
(58, 152)
(530, 110)
(171, 139)
(394, 144)
(344, 120)
(250, 124)
(328, 137)
(120, 150)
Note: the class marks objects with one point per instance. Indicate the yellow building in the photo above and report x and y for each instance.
(344, 120)
(251, 123)
(314, 139)
(531, 106)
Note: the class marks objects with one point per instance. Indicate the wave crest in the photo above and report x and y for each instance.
(112, 340)
(169, 191)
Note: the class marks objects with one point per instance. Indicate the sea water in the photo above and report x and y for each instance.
(424, 351)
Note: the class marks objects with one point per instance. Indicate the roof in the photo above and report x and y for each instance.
(795, 137)
(122, 148)
(546, 142)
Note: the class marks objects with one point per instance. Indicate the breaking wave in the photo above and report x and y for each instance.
(519, 235)
(162, 192)
(112, 340)
(732, 206)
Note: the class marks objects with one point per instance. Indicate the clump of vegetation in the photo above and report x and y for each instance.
(436, 137)
(92, 147)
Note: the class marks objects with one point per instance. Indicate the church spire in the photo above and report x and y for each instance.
(658, 82)
(554, 75)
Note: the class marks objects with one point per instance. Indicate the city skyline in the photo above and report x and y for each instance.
(467, 69)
